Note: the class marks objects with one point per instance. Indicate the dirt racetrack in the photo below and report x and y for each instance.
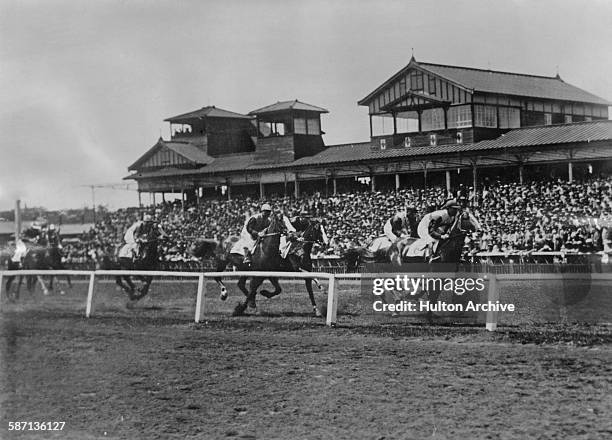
(148, 373)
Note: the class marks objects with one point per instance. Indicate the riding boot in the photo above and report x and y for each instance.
(247, 258)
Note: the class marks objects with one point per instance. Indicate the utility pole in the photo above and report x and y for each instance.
(93, 187)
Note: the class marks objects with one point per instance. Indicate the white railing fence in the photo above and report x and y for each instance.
(332, 279)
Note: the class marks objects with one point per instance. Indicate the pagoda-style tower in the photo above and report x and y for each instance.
(288, 131)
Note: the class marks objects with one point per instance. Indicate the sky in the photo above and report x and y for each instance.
(85, 86)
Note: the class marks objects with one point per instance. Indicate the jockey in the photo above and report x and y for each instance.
(435, 225)
(252, 231)
(296, 226)
(32, 235)
(130, 249)
(53, 237)
(402, 224)
(140, 231)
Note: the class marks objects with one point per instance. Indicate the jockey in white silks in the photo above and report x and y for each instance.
(130, 248)
(30, 235)
(434, 227)
(253, 229)
(399, 226)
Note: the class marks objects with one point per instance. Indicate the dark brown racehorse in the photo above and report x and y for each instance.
(299, 258)
(38, 257)
(148, 260)
(447, 257)
(266, 257)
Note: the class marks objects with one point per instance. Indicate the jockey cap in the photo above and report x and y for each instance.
(147, 218)
(52, 227)
(451, 204)
(266, 207)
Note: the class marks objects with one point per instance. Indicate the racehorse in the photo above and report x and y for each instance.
(147, 259)
(447, 255)
(266, 257)
(38, 257)
(298, 258)
(220, 253)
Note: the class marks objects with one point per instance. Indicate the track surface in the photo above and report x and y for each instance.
(150, 373)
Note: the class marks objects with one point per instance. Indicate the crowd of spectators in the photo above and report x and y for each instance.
(536, 216)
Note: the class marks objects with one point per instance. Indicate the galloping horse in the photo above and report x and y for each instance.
(147, 259)
(266, 257)
(38, 257)
(299, 259)
(447, 255)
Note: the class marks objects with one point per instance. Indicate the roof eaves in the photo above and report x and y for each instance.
(415, 64)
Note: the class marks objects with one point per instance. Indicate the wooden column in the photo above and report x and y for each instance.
(335, 185)
(419, 113)
(229, 189)
(296, 187)
(474, 177)
(445, 118)
(397, 181)
(163, 197)
(448, 181)
(18, 219)
(139, 199)
(262, 193)
(371, 132)
(372, 182)
(394, 123)
(570, 172)
(182, 199)
(521, 174)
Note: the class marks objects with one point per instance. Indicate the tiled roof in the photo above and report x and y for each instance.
(288, 105)
(189, 152)
(554, 134)
(185, 149)
(522, 137)
(365, 152)
(507, 83)
(232, 162)
(492, 81)
(209, 112)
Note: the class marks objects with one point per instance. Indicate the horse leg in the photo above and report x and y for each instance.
(144, 289)
(250, 295)
(315, 309)
(19, 286)
(277, 289)
(242, 285)
(42, 284)
(220, 267)
(9, 283)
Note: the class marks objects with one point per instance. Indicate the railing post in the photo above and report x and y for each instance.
(7, 293)
(332, 301)
(493, 295)
(90, 294)
(199, 314)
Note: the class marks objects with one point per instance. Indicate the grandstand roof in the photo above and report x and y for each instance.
(581, 132)
(553, 134)
(288, 105)
(185, 149)
(521, 137)
(506, 83)
(208, 112)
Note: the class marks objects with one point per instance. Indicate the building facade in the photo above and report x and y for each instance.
(430, 124)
